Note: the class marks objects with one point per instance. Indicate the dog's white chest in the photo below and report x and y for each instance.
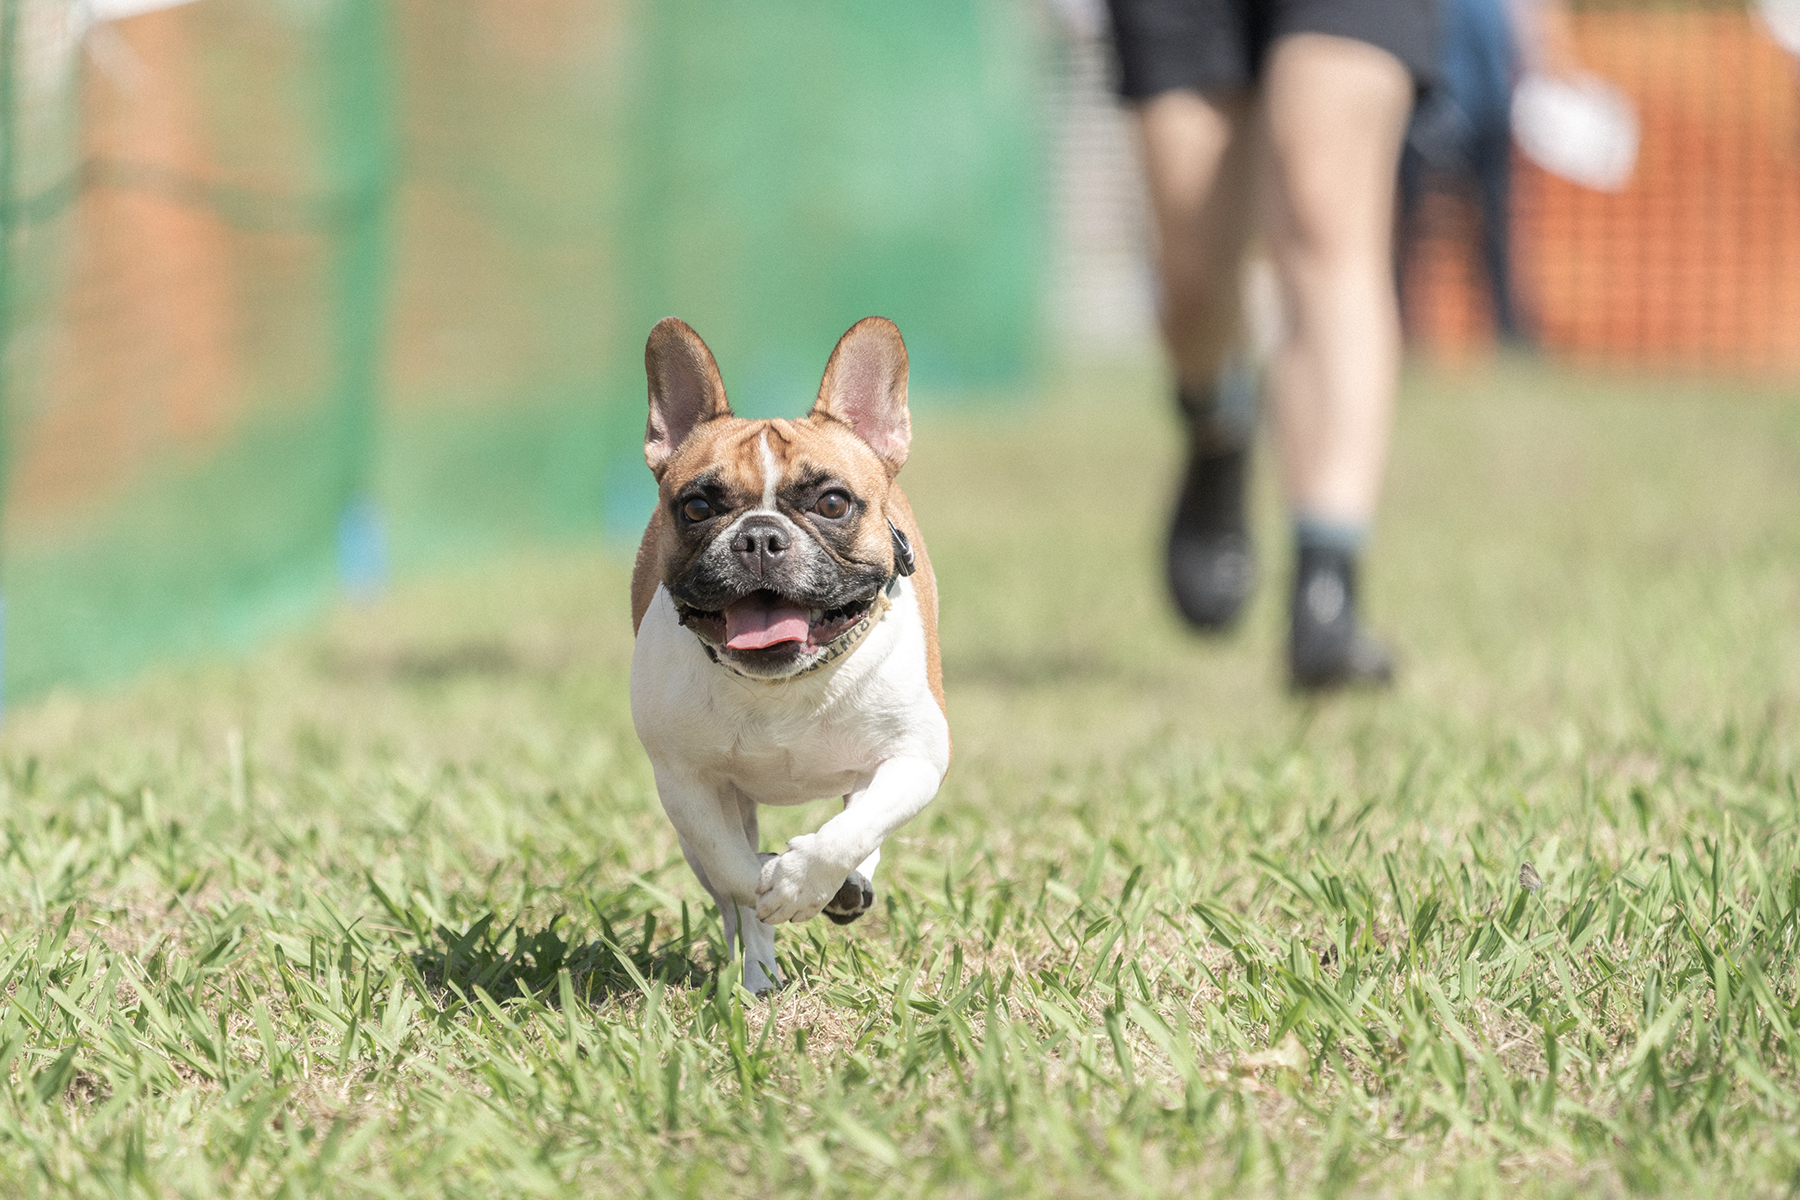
(793, 741)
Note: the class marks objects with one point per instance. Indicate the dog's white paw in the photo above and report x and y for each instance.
(796, 884)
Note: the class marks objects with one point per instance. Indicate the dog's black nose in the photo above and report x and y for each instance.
(759, 544)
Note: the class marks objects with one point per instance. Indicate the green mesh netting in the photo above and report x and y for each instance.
(293, 287)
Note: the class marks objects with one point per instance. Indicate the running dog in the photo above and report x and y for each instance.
(786, 620)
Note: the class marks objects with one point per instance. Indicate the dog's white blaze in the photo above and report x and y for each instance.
(771, 469)
(771, 474)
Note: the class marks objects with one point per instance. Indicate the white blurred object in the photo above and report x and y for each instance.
(114, 10)
(1782, 19)
(1083, 20)
(92, 22)
(1579, 127)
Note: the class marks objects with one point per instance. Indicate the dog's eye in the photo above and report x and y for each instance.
(833, 506)
(697, 510)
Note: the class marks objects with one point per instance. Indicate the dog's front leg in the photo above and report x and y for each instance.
(717, 827)
(798, 883)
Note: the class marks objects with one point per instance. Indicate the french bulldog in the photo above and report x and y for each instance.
(786, 622)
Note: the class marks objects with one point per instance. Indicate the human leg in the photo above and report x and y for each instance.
(1336, 111)
(1198, 162)
(1493, 176)
(1199, 156)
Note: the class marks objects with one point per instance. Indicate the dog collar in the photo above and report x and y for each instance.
(852, 637)
(904, 562)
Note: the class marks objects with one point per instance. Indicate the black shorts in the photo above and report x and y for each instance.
(1220, 45)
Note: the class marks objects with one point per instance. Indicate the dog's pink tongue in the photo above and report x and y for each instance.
(760, 620)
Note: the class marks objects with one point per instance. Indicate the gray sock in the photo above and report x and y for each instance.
(1223, 416)
(1326, 533)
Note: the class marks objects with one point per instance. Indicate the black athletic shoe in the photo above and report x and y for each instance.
(1211, 568)
(1328, 648)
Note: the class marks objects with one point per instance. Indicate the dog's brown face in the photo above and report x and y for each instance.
(774, 534)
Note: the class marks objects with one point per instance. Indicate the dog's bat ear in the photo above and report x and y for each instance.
(865, 388)
(685, 389)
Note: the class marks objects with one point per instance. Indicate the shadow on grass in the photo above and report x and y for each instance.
(421, 665)
(516, 962)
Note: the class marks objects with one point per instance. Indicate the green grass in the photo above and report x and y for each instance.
(390, 908)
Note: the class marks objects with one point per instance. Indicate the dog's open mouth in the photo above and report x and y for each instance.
(766, 620)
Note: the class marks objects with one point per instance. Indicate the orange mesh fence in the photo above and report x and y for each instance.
(1695, 263)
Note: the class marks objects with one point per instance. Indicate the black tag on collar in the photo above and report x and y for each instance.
(904, 562)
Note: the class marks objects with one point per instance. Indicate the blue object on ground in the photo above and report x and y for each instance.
(362, 549)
